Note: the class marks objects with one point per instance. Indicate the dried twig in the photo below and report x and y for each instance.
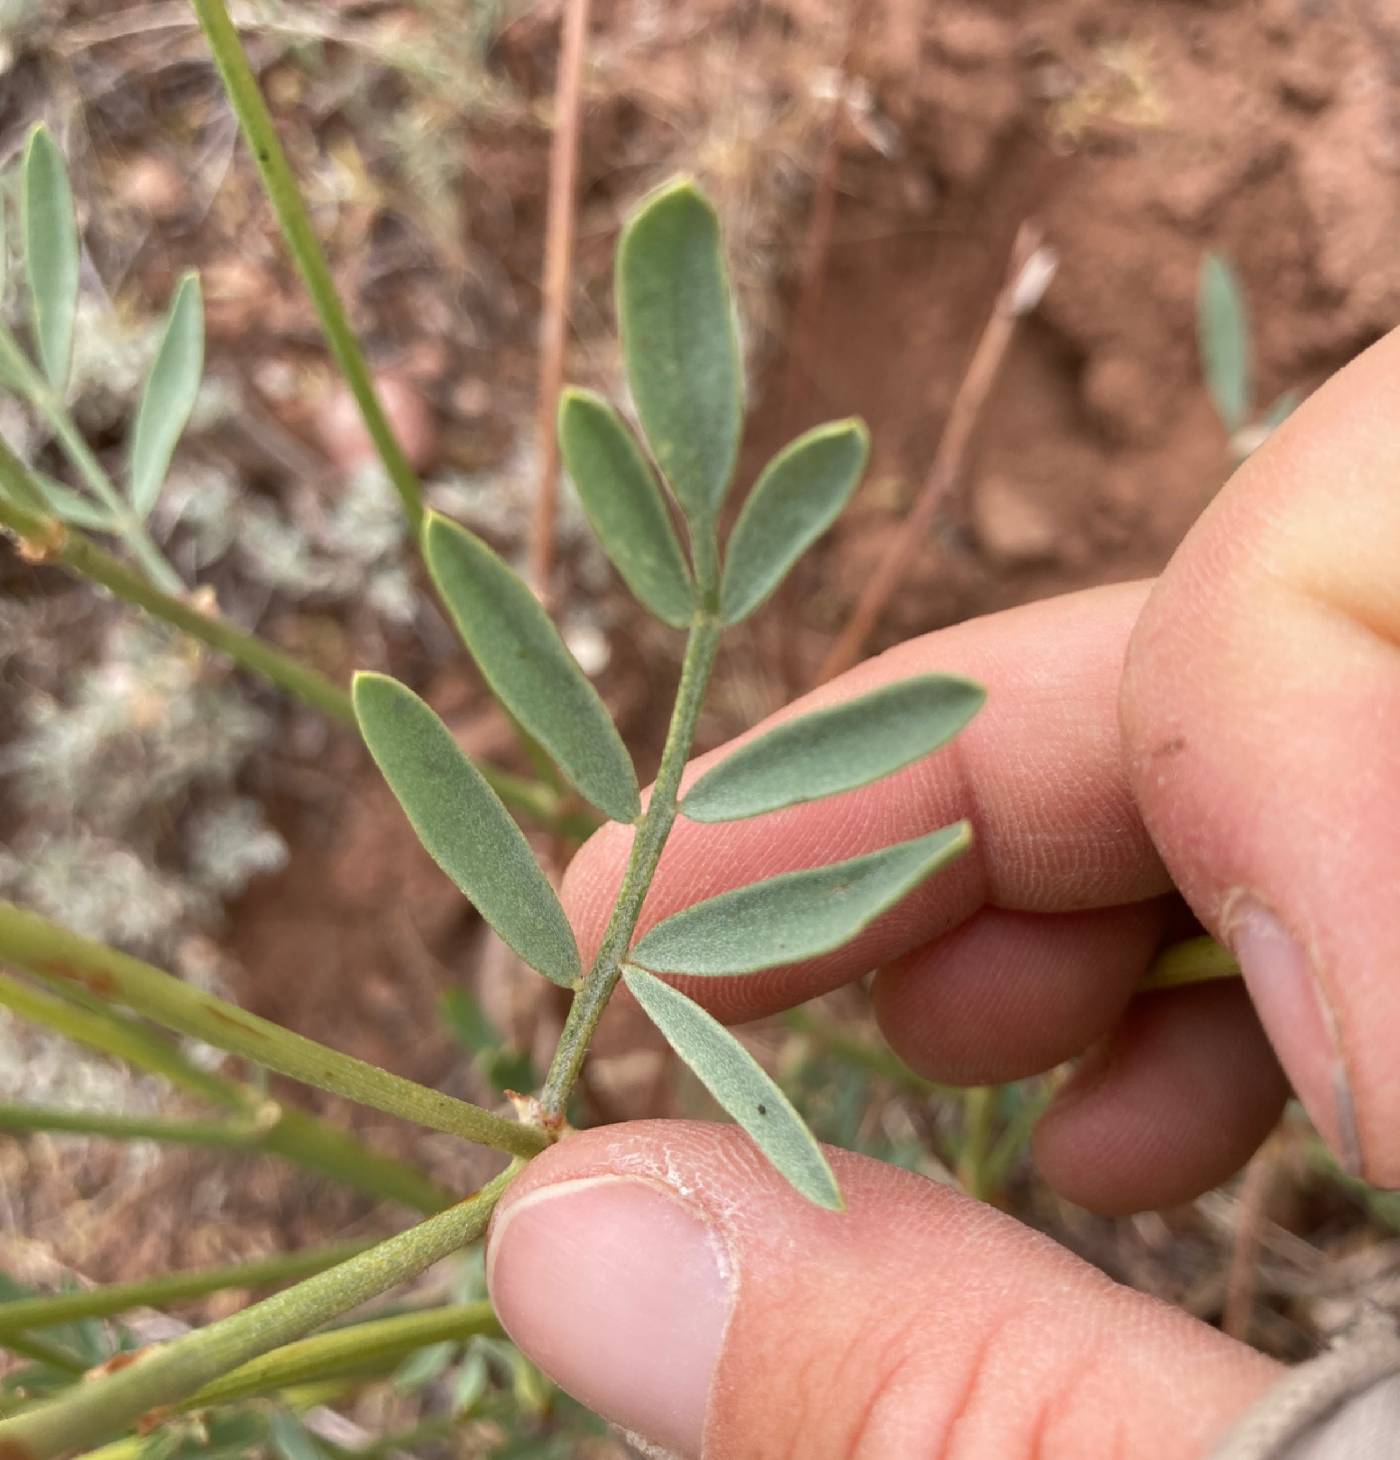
(1031, 269)
(1241, 1283)
(558, 273)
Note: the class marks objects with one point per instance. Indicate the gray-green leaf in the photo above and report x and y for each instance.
(50, 254)
(169, 396)
(290, 1439)
(461, 822)
(732, 1075)
(679, 343)
(796, 915)
(72, 506)
(625, 506)
(799, 495)
(835, 749)
(528, 667)
(1222, 328)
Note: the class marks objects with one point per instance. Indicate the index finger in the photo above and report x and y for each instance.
(1040, 773)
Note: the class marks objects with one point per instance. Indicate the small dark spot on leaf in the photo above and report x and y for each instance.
(763, 1110)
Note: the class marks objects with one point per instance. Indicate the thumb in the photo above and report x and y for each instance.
(667, 1277)
(1261, 707)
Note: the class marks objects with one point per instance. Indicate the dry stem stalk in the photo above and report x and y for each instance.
(1241, 1284)
(1031, 268)
(556, 283)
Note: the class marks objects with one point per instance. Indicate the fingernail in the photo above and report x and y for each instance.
(1293, 1009)
(621, 1293)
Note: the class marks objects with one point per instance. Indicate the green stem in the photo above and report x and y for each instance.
(114, 1034)
(30, 1119)
(71, 549)
(355, 1347)
(285, 197)
(14, 365)
(979, 1106)
(78, 553)
(40, 1351)
(1196, 960)
(283, 1131)
(167, 1374)
(652, 831)
(20, 1314)
(55, 954)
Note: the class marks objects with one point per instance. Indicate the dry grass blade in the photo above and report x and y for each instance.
(558, 275)
(1031, 268)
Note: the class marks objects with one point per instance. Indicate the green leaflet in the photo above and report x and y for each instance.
(528, 667)
(799, 495)
(796, 915)
(461, 822)
(835, 749)
(50, 254)
(72, 506)
(169, 395)
(732, 1075)
(625, 506)
(1222, 326)
(680, 345)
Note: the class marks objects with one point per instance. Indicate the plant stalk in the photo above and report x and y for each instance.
(56, 542)
(349, 1349)
(20, 1314)
(283, 1130)
(14, 365)
(40, 1351)
(59, 956)
(281, 187)
(167, 1374)
(1194, 960)
(652, 832)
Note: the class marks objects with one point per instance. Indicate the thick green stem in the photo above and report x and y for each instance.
(282, 1131)
(285, 197)
(652, 831)
(20, 1314)
(168, 1374)
(347, 1350)
(59, 956)
(15, 366)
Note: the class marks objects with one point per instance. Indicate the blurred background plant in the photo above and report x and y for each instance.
(873, 163)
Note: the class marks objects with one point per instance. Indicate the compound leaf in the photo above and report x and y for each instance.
(835, 749)
(737, 1081)
(796, 915)
(50, 253)
(169, 395)
(799, 495)
(624, 503)
(679, 343)
(463, 825)
(528, 667)
(1222, 327)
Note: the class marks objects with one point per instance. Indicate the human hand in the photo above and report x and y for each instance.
(1233, 731)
